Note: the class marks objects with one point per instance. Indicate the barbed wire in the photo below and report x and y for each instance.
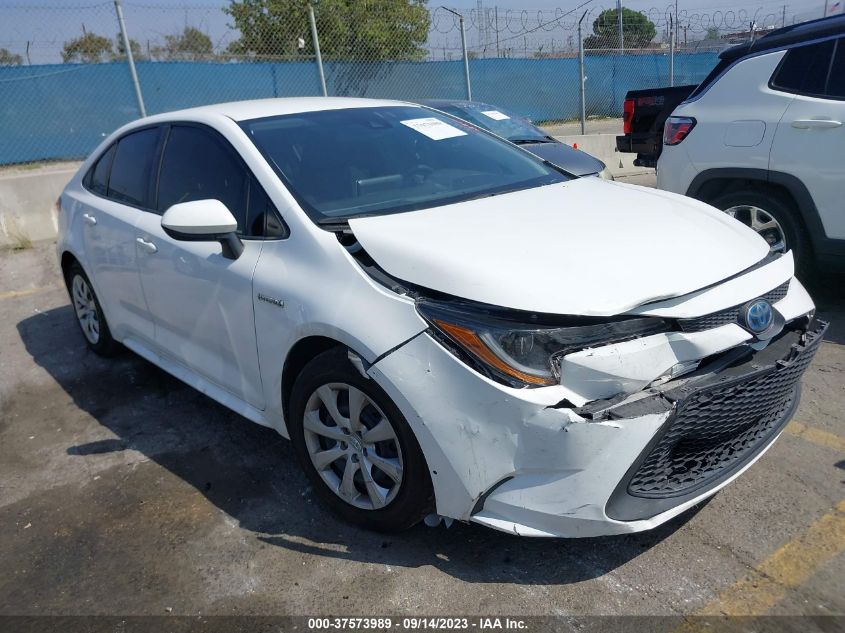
(482, 25)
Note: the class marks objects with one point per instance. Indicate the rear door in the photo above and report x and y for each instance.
(119, 188)
(202, 301)
(810, 139)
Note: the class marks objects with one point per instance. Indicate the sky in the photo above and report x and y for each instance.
(44, 25)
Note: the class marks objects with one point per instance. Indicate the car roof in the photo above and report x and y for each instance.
(831, 26)
(259, 108)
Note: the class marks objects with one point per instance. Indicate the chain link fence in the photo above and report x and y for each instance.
(65, 81)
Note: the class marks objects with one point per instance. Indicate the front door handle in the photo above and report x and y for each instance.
(821, 124)
(146, 245)
(89, 219)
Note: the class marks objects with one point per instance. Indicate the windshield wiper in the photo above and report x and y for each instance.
(530, 141)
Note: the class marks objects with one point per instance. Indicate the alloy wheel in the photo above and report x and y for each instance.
(763, 222)
(353, 446)
(85, 306)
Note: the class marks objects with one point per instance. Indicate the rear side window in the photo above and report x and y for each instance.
(836, 81)
(97, 179)
(132, 168)
(804, 69)
(197, 166)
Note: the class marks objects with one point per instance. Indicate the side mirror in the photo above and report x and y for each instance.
(204, 221)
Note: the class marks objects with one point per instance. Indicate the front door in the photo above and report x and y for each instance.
(202, 301)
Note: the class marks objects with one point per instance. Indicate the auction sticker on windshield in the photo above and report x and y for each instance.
(495, 115)
(433, 128)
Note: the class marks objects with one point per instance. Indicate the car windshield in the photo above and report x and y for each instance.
(499, 121)
(357, 162)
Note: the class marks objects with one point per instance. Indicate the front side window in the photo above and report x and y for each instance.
(804, 69)
(197, 166)
(357, 162)
(132, 168)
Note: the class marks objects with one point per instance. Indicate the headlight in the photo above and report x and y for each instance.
(520, 352)
(605, 174)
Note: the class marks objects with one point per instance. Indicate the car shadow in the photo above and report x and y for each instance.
(250, 473)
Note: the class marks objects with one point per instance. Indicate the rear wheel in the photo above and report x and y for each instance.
(356, 447)
(89, 314)
(773, 219)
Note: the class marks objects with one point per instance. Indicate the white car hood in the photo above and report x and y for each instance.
(585, 247)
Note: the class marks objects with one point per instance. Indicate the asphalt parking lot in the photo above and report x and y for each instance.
(123, 491)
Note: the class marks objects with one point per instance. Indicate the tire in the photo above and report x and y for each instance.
(89, 313)
(341, 483)
(795, 237)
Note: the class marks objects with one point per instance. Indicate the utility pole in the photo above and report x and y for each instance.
(783, 20)
(464, 47)
(677, 24)
(130, 60)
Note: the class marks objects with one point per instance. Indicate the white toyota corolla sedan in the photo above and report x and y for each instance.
(442, 323)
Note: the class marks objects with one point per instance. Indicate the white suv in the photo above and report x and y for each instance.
(763, 138)
(440, 321)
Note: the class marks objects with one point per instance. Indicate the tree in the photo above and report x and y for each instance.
(190, 44)
(375, 30)
(137, 55)
(712, 33)
(8, 58)
(637, 30)
(90, 48)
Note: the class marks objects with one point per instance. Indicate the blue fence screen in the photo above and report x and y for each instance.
(62, 111)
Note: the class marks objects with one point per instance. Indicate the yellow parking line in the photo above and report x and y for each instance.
(816, 436)
(13, 294)
(787, 568)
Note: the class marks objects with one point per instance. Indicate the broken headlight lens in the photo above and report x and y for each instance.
(521, 352)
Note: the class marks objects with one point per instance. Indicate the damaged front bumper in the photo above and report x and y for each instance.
(516, 461)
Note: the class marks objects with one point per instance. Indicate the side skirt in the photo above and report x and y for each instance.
(199, 383)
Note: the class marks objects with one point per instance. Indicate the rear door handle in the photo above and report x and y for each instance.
(822, 124)
(89, 219)
(146, 245)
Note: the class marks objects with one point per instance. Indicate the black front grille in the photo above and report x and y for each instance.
(730, 315)
(717, 428)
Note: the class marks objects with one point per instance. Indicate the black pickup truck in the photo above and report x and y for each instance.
(645, 112)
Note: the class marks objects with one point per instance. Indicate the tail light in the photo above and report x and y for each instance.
(627, 115)
(677, 128)
(57, 205)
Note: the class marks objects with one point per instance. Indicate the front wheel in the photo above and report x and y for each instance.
(773, 219)
(356, 447)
